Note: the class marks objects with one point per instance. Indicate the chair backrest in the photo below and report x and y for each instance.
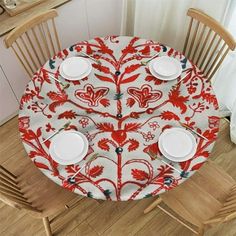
(227, 211)
(11, 193)
(207, 42)
(35, 41)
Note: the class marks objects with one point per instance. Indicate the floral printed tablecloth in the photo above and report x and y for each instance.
(122, 109)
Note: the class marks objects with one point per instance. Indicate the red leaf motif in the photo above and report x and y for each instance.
(89, 49)
(211, 134)
(33, 154)
(210, 98)
(67, 115)
(65, 52)
(104, 48)
(132, 126)
(27, 97)
(130, 102)
(197, 166)
(130, 79)
(38, 132)
(166, 127)
(28, 135)
(185, 165)
(105, 127)
(170, 52)
(103, 144)
(41, 165)
(168, 115)
(177, 100)
(134, 144)
(139, 174)
(57, 96)
(132, 68)
(145, 50)
(96, 171)
(204, 154)
(103, 78)
(105, 102)
(129, 49)
(101, 68)
(53, 105)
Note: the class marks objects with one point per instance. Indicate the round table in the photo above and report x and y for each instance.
(121, 109)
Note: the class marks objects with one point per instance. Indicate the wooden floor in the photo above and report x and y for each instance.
(109, 218)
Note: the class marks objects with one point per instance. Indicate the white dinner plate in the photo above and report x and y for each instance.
(177, 144)
(68, 147)
(165, 68)
(75, 68)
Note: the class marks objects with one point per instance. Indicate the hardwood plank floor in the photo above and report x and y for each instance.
(109, 218)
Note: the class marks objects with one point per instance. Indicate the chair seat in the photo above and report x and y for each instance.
(44, 194)
(200, 197)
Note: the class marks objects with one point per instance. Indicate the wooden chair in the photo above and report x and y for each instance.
(35, 41)
(30, 190)
(207, 42)
(207, 198)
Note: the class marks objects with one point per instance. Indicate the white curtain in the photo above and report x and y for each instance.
(166, 22)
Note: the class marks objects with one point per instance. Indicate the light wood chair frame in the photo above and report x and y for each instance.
(226, 212)
(207, 43)
(24, 39)
(12, 194)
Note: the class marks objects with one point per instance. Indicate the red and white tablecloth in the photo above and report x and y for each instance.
(122, 109)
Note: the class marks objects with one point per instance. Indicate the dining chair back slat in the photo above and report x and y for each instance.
(22, 40)
(217, 56)
(205, 49)
(198, 42)
(36, 59)
(209, 56)
(35, 41)
(227, 211)
(8, 181)
(50, 38)
(209, 44)
(11, 193)
(38, 196)
(203, 46)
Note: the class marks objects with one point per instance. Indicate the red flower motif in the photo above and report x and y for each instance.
(154, 125)
(91, 95)
(213, 122)
(24, 122)
(168, 115)
(49, 127)
(67, 115)
(84, 122)
(148, 136)
(152, 150)
(145, 95)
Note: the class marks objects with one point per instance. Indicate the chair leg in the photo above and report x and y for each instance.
(153, 205)
(47, 226)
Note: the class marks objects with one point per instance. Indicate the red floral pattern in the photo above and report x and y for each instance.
(122, 109)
